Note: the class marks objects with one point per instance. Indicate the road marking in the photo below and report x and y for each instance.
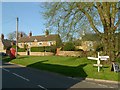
(6, 69)
(111, 87)
(102, 85)
(21, 77)
(42, 87)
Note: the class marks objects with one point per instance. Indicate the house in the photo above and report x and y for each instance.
(37, 41)
(5, 44)
(88, 42)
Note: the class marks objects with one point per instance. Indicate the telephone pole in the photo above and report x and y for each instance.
(17, 36)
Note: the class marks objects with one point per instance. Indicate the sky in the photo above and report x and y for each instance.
(29, 14)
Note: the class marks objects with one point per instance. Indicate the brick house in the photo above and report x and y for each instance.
(37, 41)
(5, 44)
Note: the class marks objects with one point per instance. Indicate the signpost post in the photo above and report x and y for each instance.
(99, 58)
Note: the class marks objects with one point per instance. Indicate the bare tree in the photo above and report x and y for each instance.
(12, 35)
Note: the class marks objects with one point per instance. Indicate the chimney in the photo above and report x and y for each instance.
(30, 34)
(2, 36)
(21, 35)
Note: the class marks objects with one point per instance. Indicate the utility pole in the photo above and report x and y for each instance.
(16, 36)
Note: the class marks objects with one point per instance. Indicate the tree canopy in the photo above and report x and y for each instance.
(69, 18)
(12, 35)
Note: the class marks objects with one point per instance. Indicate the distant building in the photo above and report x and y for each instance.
(87, 42)
(5, 44)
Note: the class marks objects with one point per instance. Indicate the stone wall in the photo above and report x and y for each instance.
(22, 53)
(37, 53)
(69, 53)
(41, 53)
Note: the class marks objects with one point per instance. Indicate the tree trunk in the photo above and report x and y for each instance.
(108, 40)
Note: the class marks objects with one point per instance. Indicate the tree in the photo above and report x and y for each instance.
(69, 46)
(12, 35)
(68, 17)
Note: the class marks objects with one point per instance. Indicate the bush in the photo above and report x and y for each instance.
(69, 46)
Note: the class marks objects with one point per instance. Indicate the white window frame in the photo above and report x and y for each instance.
(40, 44)
(50, 43)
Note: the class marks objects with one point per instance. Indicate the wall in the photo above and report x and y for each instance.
(22, 53)
(41, 53)
(36, 44)
(37, 53)
(69, 53)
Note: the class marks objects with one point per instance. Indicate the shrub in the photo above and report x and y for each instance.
(21, 50)
(69, 46)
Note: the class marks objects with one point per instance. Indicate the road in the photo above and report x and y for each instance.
(14, 76)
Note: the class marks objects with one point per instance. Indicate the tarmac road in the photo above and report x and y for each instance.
(15, 76)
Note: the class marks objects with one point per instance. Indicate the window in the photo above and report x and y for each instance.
(50, 43)
(20, 44)
(90, 44)
(40, 43)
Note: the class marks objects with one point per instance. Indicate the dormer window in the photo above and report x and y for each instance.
(35, 40)
(40, 43)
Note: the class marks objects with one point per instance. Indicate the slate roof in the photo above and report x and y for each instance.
(52, 37)
(90, 37)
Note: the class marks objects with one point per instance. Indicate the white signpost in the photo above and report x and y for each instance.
(98, 60)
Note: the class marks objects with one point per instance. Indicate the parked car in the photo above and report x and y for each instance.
(3, 54)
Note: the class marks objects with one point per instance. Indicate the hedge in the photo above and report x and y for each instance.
(21, 50)
(37, 49)
(43, 49)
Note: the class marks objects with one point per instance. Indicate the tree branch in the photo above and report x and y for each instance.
(90, 19)
(99, 8)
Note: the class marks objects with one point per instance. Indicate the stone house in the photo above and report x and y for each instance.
(37, 41)
(88, 42)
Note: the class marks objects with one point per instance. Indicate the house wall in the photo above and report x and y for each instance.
(36, 44)
(1, 47)
(88, 45)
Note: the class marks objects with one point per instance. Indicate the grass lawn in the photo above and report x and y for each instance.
(69, 66)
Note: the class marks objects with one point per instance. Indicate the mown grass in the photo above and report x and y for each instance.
(69, 66)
